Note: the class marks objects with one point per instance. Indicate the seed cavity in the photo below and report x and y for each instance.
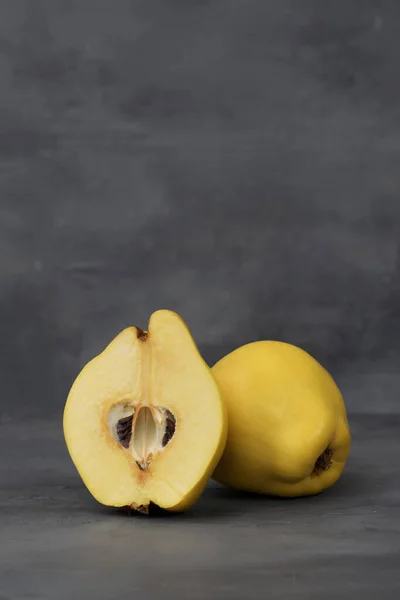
(323, 462)
(143, 430)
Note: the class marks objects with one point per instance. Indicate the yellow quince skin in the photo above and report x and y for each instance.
(288, 432)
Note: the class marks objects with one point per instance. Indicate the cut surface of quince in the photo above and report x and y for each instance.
(144, 422)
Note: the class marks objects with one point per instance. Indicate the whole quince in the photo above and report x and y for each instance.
(288, 433)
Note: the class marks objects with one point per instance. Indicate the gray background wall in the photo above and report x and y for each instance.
(236, 161)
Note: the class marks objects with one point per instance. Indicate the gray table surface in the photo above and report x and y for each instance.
(58, 543)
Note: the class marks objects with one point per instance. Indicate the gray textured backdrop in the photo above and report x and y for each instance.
(236, 161)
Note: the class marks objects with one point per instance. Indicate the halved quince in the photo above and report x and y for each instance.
(144, 422)
(288, 433)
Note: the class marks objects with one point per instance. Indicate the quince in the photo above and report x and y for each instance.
(288, 433)
(144, 422)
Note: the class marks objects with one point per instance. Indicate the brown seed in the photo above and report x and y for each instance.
(124, 430)
(170, 425)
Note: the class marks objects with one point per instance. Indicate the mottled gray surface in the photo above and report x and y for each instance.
(58, 543)
(236, 161)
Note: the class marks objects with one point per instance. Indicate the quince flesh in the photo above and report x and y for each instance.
(144, 422)
(288, 433)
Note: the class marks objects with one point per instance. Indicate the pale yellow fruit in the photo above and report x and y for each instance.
(144, 422)
(288, 433)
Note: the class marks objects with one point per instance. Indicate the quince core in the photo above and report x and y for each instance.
(134, 420)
